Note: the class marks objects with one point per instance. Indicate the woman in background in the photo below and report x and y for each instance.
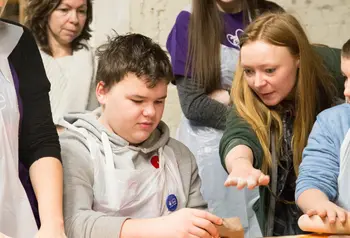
(280, 86)
(62, 29)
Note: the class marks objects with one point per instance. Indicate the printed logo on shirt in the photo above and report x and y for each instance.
(234, 39)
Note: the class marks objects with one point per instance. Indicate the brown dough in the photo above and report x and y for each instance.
(231, 228)
(316, 224)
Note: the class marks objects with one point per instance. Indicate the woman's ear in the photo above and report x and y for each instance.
(101, 93)
(298, 62)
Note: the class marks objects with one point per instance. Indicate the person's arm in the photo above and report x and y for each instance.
(320, 225)
(39, 147)
(198, 106)
(239, 132)
(241, 154)
(183, 223)
(239, 164)
(315, 202)
(316, 188)
(80, 218)
(46, 177)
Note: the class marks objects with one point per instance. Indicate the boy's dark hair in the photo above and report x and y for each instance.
(37, 20)
(345, 51)
(132, 53)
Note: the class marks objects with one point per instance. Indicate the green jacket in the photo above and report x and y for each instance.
(239, 132)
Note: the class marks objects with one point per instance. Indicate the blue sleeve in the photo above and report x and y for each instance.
(320, 165)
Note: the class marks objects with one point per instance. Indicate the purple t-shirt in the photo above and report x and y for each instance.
(177, 43)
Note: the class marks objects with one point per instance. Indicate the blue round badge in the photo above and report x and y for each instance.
(171, 202)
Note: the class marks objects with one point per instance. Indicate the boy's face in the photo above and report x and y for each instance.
(131, 109)
(345, 68)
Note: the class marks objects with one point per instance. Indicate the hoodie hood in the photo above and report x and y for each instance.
(89, 121)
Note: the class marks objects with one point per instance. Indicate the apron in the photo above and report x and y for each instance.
(344, 175)
(16, 216)
(204, 143)
(136, 193)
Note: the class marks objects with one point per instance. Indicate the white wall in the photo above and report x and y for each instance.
(108, 15)
(325, 21)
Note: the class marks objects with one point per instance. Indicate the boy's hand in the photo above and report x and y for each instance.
(317, 224)
(330, 210)
(243, 174)
(190, 223)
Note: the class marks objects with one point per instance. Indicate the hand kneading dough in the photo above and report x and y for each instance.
(316, 224)
(231, 228)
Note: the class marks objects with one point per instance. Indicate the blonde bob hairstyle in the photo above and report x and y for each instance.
(313, 91)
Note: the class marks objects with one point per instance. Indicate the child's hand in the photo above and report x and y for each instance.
(243, 174)
(330, 210)
(322, 225)
(190, 223)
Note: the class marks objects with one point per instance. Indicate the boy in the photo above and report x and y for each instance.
(323, 183)
(123, 175)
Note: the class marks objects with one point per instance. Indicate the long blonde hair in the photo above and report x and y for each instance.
(314, 89)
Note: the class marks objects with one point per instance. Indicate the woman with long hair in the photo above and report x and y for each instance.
(29, 149)
(280, 86)
(62, 30)
(204, 49)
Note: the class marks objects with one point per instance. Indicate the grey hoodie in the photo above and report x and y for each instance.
(80, 218)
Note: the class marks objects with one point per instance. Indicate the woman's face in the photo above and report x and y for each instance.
(67, 21)
(269, 70)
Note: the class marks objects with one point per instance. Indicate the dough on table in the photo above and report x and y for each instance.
(231, 228)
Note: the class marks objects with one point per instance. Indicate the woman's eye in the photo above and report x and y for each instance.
(63, 9)
(270, 71)
(248, 72)
(82, 11)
